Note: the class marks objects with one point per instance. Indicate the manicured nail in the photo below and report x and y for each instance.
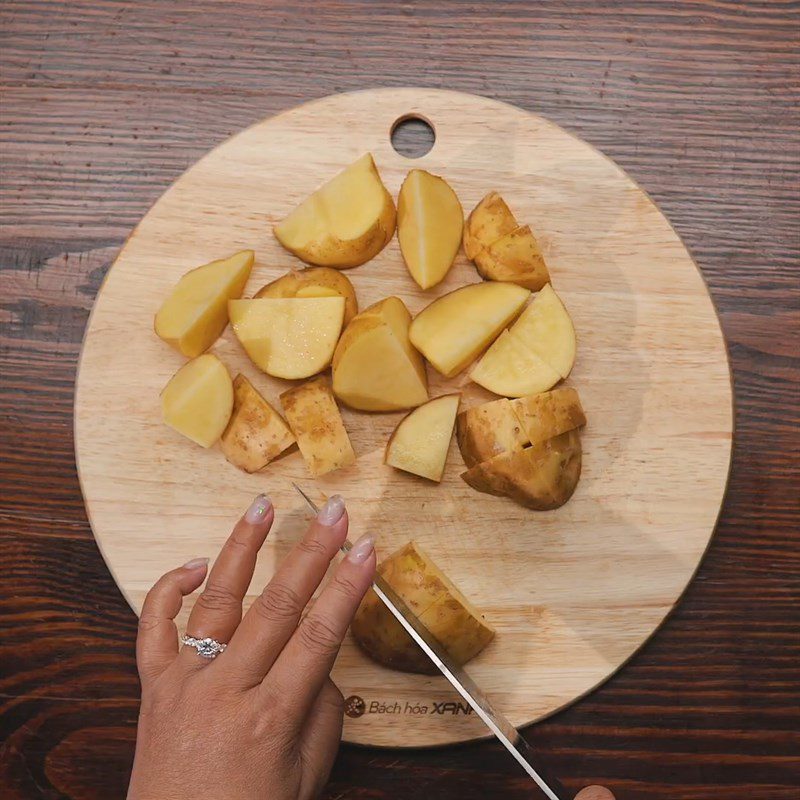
(258, 510)
(362, 549)
(332, 511)
(196, 563)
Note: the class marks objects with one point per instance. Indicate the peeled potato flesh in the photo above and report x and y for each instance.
(344, 223)
(314, 282)
(435, 600)
(195, 312)
(429, 225)
(487, 430)
(198, 400)
(288, 337)
(421, 440)
(256, 432)
(510, 368)
(546, 327)
(453, 330)
(375, 367)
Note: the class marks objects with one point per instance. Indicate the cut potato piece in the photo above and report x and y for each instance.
(314, 418)
(453, 330)
(256, 433)
(421, 440)
(510, 368)
(549, 414)
(546, 328)
(487, 430)
(435, 600)
(344, 223)
(429, 224)
(541, 477)
(515, 257)
(288, 337)
(314, 282)
(489, 220)
(198, 400)
(196, 311)
(375, 367)
(502, 249)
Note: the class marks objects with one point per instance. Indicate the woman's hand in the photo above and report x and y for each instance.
(263, 719)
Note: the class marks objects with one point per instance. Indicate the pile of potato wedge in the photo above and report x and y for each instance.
(509, 329)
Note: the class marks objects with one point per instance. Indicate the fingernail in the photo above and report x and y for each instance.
(196, 563)
(362, 549)
(332, 511)
(258, 510)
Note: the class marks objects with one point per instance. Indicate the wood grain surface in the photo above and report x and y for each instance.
(584, 585)
(104, 104)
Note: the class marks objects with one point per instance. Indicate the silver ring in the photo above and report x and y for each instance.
(207, 648)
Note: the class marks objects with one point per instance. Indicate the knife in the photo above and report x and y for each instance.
(501, 727)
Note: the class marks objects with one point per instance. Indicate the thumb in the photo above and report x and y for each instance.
(594, 793)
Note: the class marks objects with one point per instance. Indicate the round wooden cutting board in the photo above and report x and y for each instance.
(574, 592)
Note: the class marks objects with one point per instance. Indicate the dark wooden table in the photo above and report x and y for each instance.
(105, 103)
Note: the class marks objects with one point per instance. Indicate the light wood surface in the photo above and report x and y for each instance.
(574, 592)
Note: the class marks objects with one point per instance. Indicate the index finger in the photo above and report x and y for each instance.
(306, 661)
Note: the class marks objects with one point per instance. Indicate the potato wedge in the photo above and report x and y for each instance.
(438, 603)
(510, 368)
(314, 282)
(542, 476)
(546, 328)
(421, 440)
(502, 249)
(543, 416)
(344, 223)
(515, 257)
(256, 432)
(375, 367)
(198, 400)
(489, 220)
(429, 225)
(195, 312)
(487, 430)
(314, 419)
(453, 330)
(288, 337)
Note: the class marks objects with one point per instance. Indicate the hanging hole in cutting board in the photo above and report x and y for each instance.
(413, 136)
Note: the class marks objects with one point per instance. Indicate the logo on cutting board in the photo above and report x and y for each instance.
(355, 706)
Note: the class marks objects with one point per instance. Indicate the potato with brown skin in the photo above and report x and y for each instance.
(501, 248)
(488, 430)
(541, 477)
(314, 418)
(435, 600)
(490, 220)
(515, 257)
(549, 414)
(314, 282)
(256, 433)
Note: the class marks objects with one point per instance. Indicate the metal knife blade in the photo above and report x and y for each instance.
(497, 723)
